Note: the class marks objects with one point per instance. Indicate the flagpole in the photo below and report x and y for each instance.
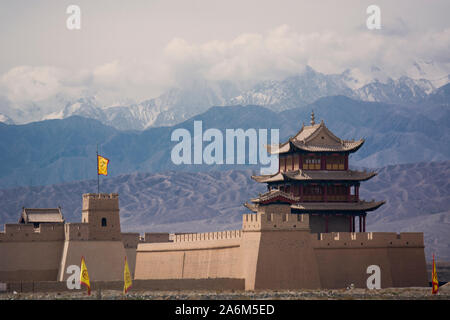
(98, 176)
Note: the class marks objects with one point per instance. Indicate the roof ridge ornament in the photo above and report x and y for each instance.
(313, 122)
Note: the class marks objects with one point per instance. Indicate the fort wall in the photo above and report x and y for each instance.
(30, 260)
(278, 251)
(28, 253)
(101, 213)
(274, 250)
(273, 221)
(104, 259)
(130, 242)
(338, 223)
(343, 258)
(191, 256)
(152, 237)
(27, 232)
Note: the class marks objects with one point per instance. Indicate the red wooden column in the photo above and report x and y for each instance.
(326, 223)
(346, 162)
(364, 223)
(350, 221)
(349, 190)
(360, 223)
(300, 161)
(322, 162)
(356, 193)
(354, 223)
(325, 198)
(301, 192)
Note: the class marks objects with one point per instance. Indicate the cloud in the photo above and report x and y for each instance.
(282, 52)
(249, 57)
(26, 83)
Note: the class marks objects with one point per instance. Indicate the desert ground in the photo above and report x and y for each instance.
(324, 294)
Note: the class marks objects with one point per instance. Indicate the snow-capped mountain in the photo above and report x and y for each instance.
(88, 107)
(402, 90)
(181, 103)
(174, 106)
(294, 91)
(5, 119)
(311, 85)
(436, 74)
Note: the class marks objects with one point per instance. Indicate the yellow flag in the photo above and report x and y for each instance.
(102, 165)
(126, 278)
(84, 276)
(434, 279)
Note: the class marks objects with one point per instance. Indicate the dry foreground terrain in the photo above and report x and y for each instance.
(324, 294)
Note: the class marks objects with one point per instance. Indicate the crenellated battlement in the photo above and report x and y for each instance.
(367, 239)
(274, 221)
(188, 237)
(101, 201)
(100, 196)
(131, 239)
(27, 232)
(76, 231)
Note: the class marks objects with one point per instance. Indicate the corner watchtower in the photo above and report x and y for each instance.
(101, 212)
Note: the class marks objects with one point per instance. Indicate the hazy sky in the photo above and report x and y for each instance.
(138, 48)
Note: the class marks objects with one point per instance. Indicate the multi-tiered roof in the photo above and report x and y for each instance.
(313, 175)
(316, 138)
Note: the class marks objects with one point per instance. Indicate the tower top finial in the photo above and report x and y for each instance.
(313, 122)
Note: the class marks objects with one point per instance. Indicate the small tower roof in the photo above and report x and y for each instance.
(38, 215)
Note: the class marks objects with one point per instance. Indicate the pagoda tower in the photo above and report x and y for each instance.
(314, 178)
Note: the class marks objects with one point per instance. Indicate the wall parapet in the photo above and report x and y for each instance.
(367, 239)
(131, 239)
(100, 201)
(274, 221)
(97, 196)
(27, 232)
(76, 231)
(188, 237)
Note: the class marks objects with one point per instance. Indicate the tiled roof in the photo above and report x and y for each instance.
(305, 140)
(344, 146)
(272, 194)
(319, 175)
(338, 206)
(327, 206)
(32, 215)
(251, 207)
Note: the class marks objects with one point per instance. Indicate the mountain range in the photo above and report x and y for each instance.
(417, 200)
(181, 103)
(55, 151)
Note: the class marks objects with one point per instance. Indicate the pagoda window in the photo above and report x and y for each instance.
(311, 163)
(282, 163)
(296, 190)
(313, 193)
(287, 189)
(289, 163)
(335, 162)
(296, 161)
(337, 193)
